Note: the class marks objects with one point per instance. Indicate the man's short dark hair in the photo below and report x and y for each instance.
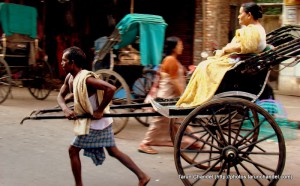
(77, 55)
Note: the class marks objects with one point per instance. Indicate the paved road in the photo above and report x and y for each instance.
(35, 154)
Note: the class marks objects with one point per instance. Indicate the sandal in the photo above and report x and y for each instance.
(147, 149)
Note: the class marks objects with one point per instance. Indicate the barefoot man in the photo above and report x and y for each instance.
(91, 96)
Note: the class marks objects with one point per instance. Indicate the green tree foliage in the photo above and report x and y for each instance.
(269, 10)
(269, 1)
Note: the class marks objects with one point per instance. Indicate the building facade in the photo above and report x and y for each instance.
(289, 78)
(203, 25)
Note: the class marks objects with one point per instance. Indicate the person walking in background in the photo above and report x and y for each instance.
(170, 84)
(91, 96)
(251, 38)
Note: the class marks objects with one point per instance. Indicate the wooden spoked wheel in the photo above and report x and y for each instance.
(174, 125)
(242, 145)
(140, 89)
(121, 97)
(5, 80)
(39, 82)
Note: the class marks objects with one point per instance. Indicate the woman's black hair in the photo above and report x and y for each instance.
(254, 9)
(170, 44)
(77, 55)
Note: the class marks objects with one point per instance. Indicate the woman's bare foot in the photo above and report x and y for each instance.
(144, 181)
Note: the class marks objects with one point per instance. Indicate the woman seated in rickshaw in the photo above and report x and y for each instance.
(251, 38)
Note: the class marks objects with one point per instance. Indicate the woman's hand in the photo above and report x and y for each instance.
(220, 53)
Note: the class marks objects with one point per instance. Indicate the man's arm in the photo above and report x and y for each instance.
(63, 92)
(108, 93)
(69, 98)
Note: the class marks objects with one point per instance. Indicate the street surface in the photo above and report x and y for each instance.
(36, 153)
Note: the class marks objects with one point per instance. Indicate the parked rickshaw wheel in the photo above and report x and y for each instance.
(236, 148)
(140, 89)
(121, 97)
(40, 79)
(5, 80)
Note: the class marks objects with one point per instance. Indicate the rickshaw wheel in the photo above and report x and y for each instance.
(174, 125)
(40, 79)
(5, 80)
(141, 88)
(243, 145)
(121, 97)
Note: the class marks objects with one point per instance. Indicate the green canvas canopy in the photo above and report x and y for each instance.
(151, 32)
(19, 19)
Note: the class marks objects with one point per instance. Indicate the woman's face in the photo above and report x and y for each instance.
(244, 18)
(179, 48)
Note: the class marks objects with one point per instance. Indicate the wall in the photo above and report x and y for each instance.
(212, 25)
(270, 23)
(289, 78)
(198, 32)
(180, 19)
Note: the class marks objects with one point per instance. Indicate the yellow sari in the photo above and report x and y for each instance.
(209, 74)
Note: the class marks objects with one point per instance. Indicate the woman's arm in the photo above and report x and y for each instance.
(233, 46)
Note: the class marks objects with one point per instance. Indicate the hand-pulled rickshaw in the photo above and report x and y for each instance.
(19, 51)
(132, 71)
(235, 148)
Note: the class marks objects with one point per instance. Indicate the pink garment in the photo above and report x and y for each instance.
(158, 133)
(166, 88)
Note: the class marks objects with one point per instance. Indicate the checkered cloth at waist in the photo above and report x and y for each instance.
(94, 142)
